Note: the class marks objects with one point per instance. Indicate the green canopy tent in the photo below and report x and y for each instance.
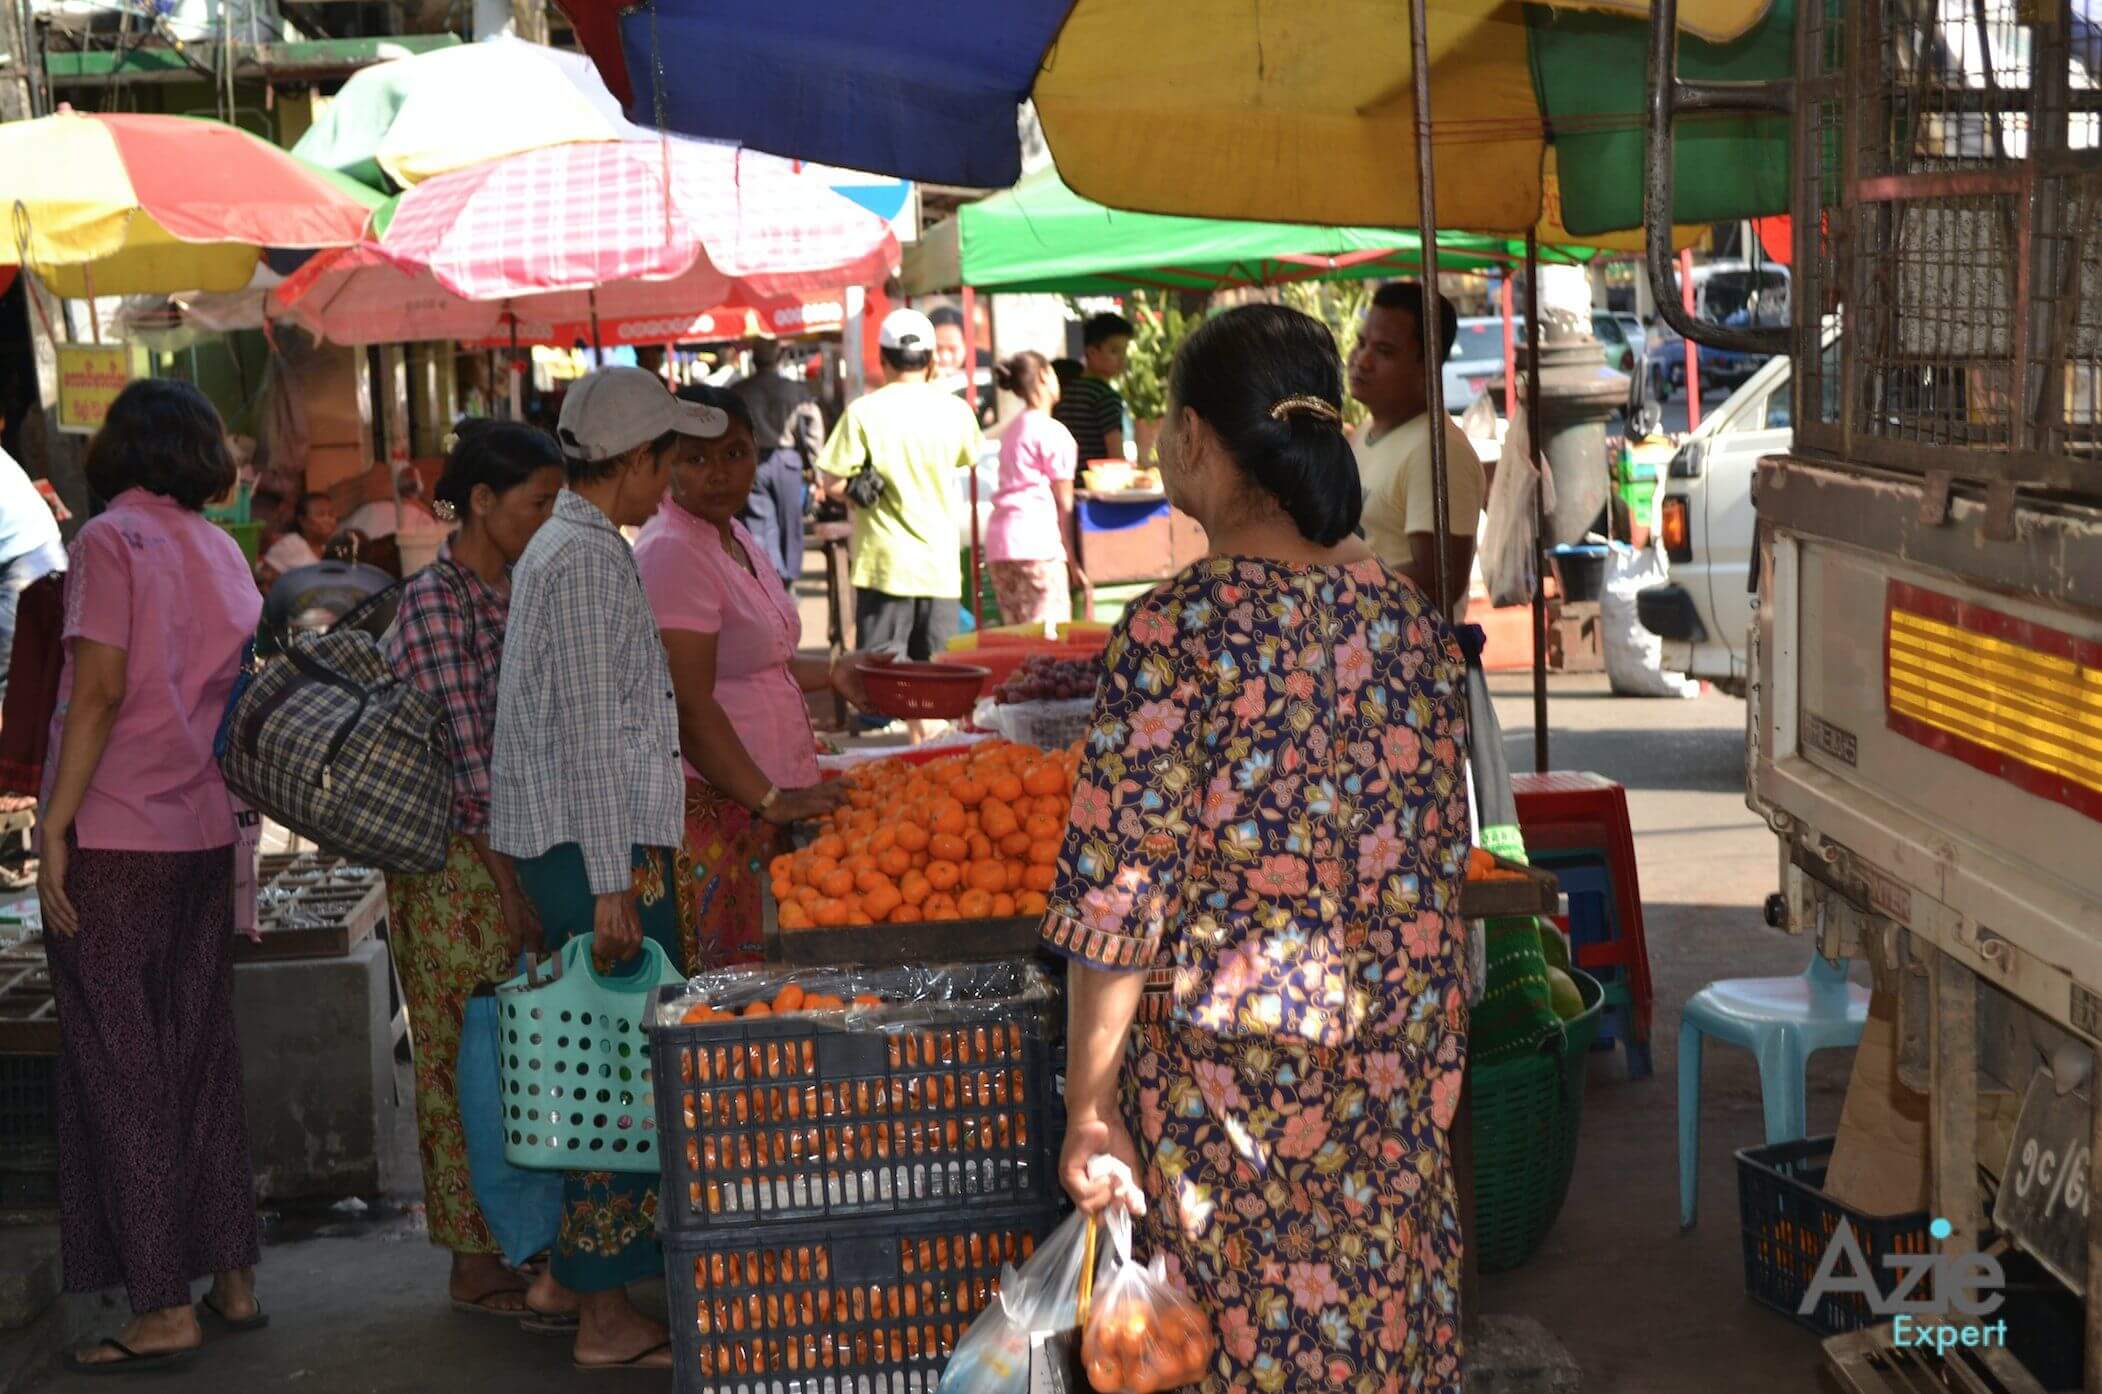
(1041, 236)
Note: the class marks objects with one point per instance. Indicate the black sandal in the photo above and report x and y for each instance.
(541, 1323)
(132, 1362)
(633, 1362)
(479, 1306)
(235, 1326)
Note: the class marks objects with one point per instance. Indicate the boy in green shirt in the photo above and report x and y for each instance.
(894, 456)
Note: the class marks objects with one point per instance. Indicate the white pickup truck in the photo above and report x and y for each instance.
(1708, 530)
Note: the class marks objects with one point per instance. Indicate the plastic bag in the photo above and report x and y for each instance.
(1508, 557)
(1041, 1296)
(855, 996)
(1634, 656)
(1142, 1336)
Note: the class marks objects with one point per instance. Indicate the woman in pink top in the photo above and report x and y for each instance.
(731, 633)
(1030, 543)
(137, 884)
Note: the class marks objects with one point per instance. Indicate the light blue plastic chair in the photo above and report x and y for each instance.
(1783, 1022)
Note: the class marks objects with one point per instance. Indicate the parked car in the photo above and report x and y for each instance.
(1477, 358)
(1622, 353)
(1707, 526)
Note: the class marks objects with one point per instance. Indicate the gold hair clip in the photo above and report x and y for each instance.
(1292, 406)
(444, 512)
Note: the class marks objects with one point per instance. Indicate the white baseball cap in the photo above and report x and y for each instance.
(610, 412)
(907, 331)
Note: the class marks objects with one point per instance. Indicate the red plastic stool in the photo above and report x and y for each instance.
(1577, 810)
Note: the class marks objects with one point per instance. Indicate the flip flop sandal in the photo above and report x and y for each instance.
(130, 1361)
(633, 1362)
(479, 1306)
(548, 1323)
(235, 1326)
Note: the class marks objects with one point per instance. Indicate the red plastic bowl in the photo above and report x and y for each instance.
(932, 691)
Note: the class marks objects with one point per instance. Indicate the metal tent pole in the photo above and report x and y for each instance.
(1539, 462)
(1432, 319)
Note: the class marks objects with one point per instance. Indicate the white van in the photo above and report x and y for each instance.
(1706, 525)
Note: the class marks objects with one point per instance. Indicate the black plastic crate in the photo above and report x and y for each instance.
(874, 1306)
(1789, 1222)
(920, 1107)
(28, 1101)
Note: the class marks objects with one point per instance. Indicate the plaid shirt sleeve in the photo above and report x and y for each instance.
(586, 677)
(431, 650)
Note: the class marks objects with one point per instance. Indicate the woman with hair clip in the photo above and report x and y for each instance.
(1030, 544)
(1259, 895)
(465, 924)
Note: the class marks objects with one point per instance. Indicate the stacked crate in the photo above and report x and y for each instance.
(841, 1191)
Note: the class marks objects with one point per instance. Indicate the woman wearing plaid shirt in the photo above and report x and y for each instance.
(586, 789)
(464, 925)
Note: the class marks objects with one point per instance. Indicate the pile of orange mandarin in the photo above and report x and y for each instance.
(969, 836)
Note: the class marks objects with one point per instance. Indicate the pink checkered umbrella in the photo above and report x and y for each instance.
(657, 227)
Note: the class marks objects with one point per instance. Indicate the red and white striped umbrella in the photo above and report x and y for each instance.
(659, 227)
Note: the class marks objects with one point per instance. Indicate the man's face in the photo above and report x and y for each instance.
(1107, 359)
(949, 350)
(1386, 367)
(318, 524)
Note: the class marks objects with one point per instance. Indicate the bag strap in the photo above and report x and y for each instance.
(350, 618)
(1087, 1270)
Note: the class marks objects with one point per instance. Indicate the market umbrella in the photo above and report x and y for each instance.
(1216, 108)
(656, 228)
(135, 204)
(1041, 236)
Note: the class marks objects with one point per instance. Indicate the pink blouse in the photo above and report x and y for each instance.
(695, 584)
(158, 581)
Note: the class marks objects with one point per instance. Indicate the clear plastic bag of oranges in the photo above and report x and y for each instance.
(1142, 1336)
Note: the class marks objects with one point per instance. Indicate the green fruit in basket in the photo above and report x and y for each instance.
(1562, 991)
(1553, 947)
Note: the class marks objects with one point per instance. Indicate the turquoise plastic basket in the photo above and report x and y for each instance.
(574, 1061)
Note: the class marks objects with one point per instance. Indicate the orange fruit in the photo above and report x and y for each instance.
(782, 867)
(869, 881)
(941, 907)
(948, 817)
(808, 895)
(883, 839)
(793, 915)
(998, 820)
(1044, 853)
(914, 889)
(1005, 787)
(859, 862)
(1003, 906)
(1015, 846)
(864, 999)
(974, 904)
(969, 792)
(943, 875)
(1039, 878)
(911, 836)
(819, 869)
(830, 913)
(830, 845)
(1031, 903)
(838, 883)
(880, 901)
(905, 914)
(1045, 778)
(948, 847)
(990, 877)
(981, 847)
(757, 1009)
(789, 998)
(894, 862)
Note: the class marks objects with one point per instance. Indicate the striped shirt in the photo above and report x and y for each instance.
(587, 730)
(1090, 408)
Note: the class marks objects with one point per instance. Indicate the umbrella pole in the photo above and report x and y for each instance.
(1532, 450)
(598, 347)
(1434, 375)
(87, 276)
(970, 395)
(515, 371)
(1510, 351)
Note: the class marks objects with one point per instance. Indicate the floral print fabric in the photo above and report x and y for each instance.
(449, 938)
(721, 868)
(1271, 815)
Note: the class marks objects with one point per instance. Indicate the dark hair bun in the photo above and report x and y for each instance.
(501, 454)
(1021, 374)
(1241, 371)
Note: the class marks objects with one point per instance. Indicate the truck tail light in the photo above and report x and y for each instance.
(1678, 531)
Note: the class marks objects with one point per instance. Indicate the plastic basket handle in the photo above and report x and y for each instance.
(576, 955)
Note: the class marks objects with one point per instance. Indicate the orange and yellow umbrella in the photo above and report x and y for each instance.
(139, 204)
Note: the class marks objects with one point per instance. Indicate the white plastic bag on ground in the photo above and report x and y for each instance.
(1634, 656)
(1509, 555)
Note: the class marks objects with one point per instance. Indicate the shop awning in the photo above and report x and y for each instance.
(1214, 108)
(1041, 236)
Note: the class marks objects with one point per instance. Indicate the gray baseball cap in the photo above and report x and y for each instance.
(610, 412)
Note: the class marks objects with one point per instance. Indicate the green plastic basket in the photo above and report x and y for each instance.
(573, 1062)
(1526, 1113)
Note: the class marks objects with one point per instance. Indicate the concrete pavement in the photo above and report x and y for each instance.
(360, 1309)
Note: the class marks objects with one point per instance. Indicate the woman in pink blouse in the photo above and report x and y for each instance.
(137, 884)
(732, 633)
(1030, 544)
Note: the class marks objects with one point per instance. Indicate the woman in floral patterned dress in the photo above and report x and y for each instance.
(1258, 892)
(463, 925)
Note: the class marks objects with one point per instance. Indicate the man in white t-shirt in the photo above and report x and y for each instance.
(1388, 375)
